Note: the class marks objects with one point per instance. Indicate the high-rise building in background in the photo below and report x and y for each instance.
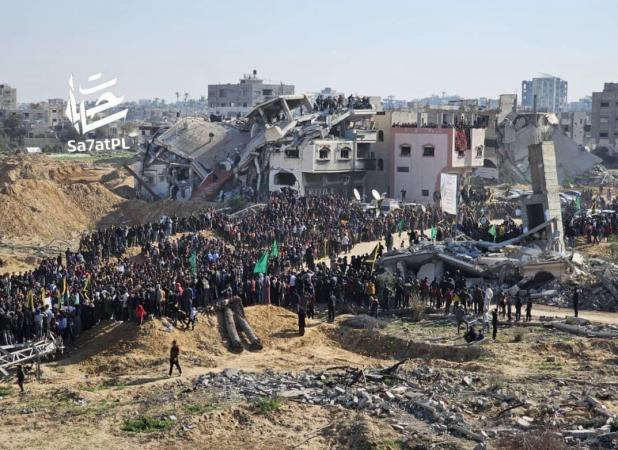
(550, 92)
(8, 97)
(604, 123)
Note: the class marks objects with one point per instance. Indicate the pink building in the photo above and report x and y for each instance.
(420, 155)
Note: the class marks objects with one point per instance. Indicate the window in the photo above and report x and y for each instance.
(291, 152)
(380, 164)
(344, 153)
(429, 151)
(380, 136)
(603, 134)
(267, 92)
(222, 93)
(604, 104)
(143, 132)
(425, 192)
(403, 169)
(406, 150)
(162, 178)
(604, 120)
(324, 153)
(285, 179)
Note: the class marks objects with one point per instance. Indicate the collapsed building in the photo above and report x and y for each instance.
(284, 142)
(177, 160)
(518, 130)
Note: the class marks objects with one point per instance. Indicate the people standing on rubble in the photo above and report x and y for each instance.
(332, 301)
(518, 308)
(489, 294)
(529, 310)
(494, 323)
(509, 306)
(502, 303)
(374, 306)
(460, 316)
(576, 301)
(478, 299)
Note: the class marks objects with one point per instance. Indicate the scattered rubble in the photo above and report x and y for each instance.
(468, 406)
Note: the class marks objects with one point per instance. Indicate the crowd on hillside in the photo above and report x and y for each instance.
(176, 274)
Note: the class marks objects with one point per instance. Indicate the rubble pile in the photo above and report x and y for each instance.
(597, 176)
(470, 406)
(597, 279)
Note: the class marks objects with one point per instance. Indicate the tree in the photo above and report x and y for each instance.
(186, 97)
(177, 96)
(14, 127)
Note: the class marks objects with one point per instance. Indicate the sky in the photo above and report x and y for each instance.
(407, 48)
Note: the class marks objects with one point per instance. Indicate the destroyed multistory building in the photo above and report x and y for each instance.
(284, 142)
(519, 130)
(178, 160)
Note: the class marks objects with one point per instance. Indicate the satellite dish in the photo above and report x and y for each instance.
(356, 194)
(375, 194)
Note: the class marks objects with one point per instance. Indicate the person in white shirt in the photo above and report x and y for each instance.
(489, 294)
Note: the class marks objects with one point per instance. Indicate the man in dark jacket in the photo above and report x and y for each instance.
(174, 355)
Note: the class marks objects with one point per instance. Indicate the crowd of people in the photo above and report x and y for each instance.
(181, 269)
(173, 276)
(332, 103)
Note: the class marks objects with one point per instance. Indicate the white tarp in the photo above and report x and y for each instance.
(448, 193)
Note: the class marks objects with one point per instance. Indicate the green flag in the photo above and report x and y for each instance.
(373, 256)
(274, 250)
(492, 230)
(400, 227)
(434, 233)
(262, 265)
(193, 262)
(578, 204)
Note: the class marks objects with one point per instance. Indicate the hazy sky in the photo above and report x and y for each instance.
(408, 49)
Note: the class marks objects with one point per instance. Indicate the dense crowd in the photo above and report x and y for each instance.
(175, 275)
(74, 291)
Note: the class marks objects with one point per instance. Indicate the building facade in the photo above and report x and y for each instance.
(420, 155)
(604, 122)
(576, 125)
(551, 94)
(8, 97)
(239, 98)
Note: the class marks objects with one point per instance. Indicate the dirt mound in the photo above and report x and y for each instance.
(45, 199)
(130, 347)
(51, 199)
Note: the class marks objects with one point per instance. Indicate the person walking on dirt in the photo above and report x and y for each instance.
(332, 300)
(460, 315)
(174, 354)
(21, 377)
(302, 314)
(576, 302)
(529, 310)
(494, 323)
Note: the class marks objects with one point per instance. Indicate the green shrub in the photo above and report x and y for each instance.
(146, 425)
(268, 404)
